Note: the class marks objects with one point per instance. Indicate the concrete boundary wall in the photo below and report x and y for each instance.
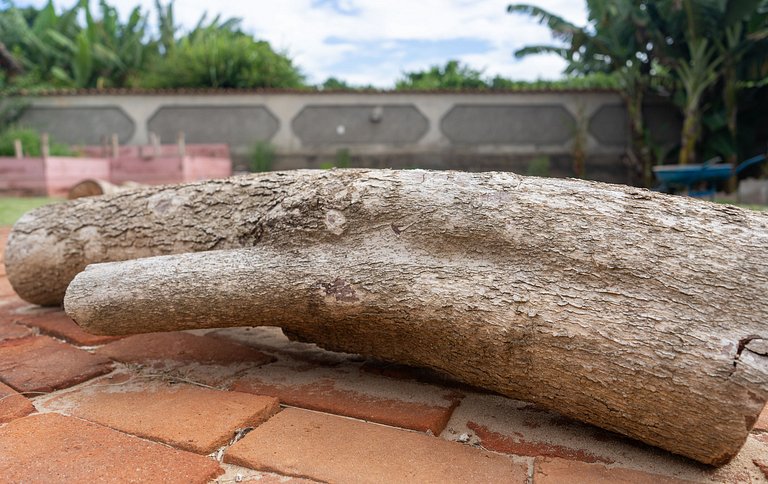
(473, 131)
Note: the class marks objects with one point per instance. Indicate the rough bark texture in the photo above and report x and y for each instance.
(638, 312)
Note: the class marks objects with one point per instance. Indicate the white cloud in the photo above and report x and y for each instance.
(301, 30)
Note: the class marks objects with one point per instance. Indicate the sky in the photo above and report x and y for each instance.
(373, 42)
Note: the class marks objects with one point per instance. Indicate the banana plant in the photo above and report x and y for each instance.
(717, 36)
(696, 74)
(57, 49)
(89, 59)
(166, 26)
(615, 41)
(26, 34)
(127, 42)
(744, 50)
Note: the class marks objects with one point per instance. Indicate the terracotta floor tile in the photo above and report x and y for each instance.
(42, 364)
(10, 331)
(346, 390)
(335, 449)
(54, 448)
(182, 348)
(516, 443)
(513, 427)
(59, 325)
(557, 471)
(14, 309)
(523, 429)
(11, 306)
(13, 405)
(190, 418)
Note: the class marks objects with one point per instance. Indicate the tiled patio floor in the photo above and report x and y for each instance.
(248, 405)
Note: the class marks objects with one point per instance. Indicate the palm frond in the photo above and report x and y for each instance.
(561, 28)
(541, 49)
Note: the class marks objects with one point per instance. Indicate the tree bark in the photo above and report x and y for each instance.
(638, 312)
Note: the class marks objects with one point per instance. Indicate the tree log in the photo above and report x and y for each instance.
(93, 187)
(638, 312)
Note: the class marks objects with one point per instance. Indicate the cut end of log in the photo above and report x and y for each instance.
(90, 188)
(94, 188)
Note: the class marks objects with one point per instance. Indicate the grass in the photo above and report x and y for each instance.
(12, 208)
(759, 208)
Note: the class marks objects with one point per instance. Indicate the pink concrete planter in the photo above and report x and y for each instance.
(148, 165)
(22, 175)
(52, 176)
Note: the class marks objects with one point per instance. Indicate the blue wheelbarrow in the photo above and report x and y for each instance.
(699, 180)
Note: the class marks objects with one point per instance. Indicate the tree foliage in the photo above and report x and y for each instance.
(30, 142)
(336, 84)
(77, 48)
(224, 59)
(700, 53)
(453, 75)
(457, 76)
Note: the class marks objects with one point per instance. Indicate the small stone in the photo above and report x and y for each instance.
(59, 325)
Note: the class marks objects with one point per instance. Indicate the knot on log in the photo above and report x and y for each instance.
(340, 290)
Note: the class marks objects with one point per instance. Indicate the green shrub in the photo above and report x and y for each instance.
(342, 160)
(223, 59)
(538, 166)
(261, 157)
(30, 142)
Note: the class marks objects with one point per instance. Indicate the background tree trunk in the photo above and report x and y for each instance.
(635, 311)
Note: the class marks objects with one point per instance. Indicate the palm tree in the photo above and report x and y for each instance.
(127, 41)
(54, 48)
(744, 53)
(166, 26)
(706, 42)
(27, 35)
(615, 41)
(8, 62)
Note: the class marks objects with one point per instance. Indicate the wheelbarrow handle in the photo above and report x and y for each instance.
(747, 163)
